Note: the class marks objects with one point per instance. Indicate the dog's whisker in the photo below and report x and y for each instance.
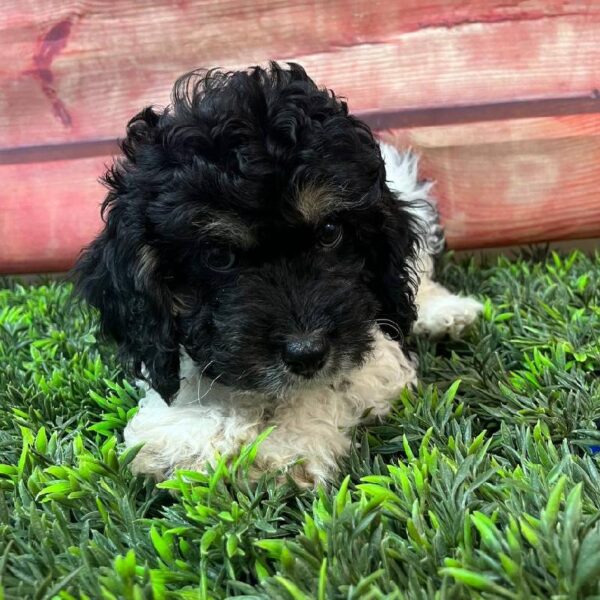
(210, 387)
(243, 374)
(206, 366)
(390, 324)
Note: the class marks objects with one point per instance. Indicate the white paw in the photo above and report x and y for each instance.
(301, 472)
(449, 314)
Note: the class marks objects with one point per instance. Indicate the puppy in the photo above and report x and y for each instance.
(260, 266)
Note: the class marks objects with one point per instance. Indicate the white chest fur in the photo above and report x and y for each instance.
(311, 426)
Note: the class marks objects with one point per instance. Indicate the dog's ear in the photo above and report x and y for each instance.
(396, 276)
(120, 272)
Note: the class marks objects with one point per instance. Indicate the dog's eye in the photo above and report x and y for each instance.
(330, 234)
(219, 258)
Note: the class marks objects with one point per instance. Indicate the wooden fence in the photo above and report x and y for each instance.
(500, 97)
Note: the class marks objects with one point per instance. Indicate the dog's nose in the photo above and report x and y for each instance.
(305, 355)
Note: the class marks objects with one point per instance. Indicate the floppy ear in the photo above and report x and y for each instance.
(120, 272)
(396, 274)
(410, 234)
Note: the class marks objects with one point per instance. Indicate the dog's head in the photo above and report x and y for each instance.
(250, 223)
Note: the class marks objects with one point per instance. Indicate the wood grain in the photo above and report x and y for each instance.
(512, 182)
(501, 97)
(76, 71)
(49, 212)
(518, 192)
(494, 132)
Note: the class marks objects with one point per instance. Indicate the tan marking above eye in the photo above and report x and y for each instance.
(148, 261)
(315, 202)
(227, 228)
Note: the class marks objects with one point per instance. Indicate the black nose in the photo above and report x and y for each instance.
(305, 355)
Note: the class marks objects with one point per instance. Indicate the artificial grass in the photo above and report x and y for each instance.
(481, 484)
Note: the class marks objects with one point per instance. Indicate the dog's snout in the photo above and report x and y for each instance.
(306, 354)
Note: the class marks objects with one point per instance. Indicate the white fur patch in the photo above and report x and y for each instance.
(402, 171)
(311, 425)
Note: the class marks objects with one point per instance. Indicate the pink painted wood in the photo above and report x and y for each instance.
(500, 97)
(49, 211)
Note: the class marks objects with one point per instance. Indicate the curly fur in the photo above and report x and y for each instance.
(253, 165)
(311, 425)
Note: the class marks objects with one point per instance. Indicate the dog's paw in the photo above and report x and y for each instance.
(302, 476)
(446, 315)
(304, 473)
(149, 462)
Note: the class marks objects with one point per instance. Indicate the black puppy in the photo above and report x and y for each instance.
(255, 255)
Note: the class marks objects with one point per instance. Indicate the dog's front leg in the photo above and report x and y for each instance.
(439, 311)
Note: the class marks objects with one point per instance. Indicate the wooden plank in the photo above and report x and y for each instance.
(78, 70)
(408, 121)
(476, 113)
(49, 212)
(537, 181)
(533, 180)
(517, 193)
(494, 132)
